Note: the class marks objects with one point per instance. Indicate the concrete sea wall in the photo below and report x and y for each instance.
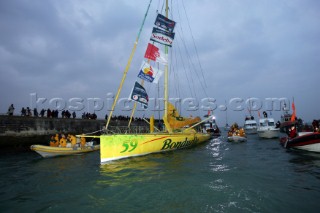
(18, 131)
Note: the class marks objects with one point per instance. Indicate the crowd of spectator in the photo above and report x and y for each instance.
(27, 112)
(123, 118)
(89, 116)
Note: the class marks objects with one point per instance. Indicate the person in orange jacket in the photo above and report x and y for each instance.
(52, 141)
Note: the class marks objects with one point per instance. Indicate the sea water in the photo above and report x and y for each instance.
(218, 176)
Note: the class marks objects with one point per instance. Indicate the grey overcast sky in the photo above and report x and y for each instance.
(72, 50)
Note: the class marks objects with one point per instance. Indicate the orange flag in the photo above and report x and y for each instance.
(293, 116)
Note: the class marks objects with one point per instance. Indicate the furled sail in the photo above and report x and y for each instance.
(176, 121)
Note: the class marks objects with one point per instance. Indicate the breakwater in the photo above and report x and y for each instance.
(16, 131)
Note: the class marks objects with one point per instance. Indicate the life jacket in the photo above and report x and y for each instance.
(83, 141)
(293, 133)
(63, 142)
(73, 140)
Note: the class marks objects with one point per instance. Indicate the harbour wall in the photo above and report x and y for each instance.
(18, 131)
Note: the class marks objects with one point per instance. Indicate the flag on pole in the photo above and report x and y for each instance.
(139, 94)
(293, 116)
(149, 73)
(207, 115)
(153, 53)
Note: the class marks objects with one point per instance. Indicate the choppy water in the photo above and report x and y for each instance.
(256, 176)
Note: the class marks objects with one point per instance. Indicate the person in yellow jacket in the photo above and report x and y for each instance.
(63, 141)
(57, 139)
(82, 141)
(73, 140)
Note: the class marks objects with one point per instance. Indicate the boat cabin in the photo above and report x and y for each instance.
(250, 123)
(264, 122)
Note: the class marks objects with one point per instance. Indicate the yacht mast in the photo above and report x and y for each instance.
(166, 85)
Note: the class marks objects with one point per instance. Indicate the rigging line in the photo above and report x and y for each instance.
(183, 63)
(174, 79)
(194, 44)
(175, 67)
(192, 91)
(172, 73)
(177, 82)
(127, 67)
(192, 67)
(191, 64)
(156, 100)
(163, 6)
(176, 74)
(178, 51)
(184, 68)
(159, 1)
(184, 43)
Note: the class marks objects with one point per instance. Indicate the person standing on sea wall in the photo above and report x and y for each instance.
(11, 110)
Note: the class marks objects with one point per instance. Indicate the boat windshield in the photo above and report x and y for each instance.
(267, 123)
(271, 123)
(264, 124)
(250, 125)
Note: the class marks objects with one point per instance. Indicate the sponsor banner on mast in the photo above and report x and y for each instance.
(165, 23)
(155, 54)
(162, 36)
(139, 94)
(149, 73)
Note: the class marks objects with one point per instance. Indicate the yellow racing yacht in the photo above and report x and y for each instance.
(178, 132)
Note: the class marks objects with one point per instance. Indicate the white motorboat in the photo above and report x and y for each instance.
(267, 128)
(212, 128)
(250, 125)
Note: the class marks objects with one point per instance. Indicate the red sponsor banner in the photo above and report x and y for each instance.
(153, 53)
